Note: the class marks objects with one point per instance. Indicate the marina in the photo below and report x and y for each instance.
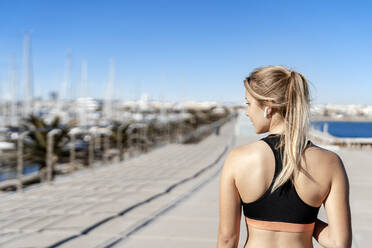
(116, 117)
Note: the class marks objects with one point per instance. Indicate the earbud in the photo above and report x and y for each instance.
(265, 111)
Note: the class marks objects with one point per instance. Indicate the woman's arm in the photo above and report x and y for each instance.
(321, 234)
(337, 233)
(230, 206)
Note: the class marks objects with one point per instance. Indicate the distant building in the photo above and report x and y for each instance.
(53, 96)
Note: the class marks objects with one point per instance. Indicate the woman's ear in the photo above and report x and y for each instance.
(270, 109)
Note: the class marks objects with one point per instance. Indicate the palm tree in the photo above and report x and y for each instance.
(36, 141)
(115, 136)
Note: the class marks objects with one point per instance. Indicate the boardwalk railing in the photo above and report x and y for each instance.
(326, 138)
(137, 138)
(205, 130)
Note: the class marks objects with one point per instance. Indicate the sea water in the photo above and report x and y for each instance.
(345, 129)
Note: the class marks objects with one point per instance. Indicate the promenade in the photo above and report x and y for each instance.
(165, 198)
(104, 206)
(194, 222)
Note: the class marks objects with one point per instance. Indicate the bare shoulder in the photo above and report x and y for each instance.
(247, 152)
(252, 169)
(324, 164)
(246, 157)
(323, 157)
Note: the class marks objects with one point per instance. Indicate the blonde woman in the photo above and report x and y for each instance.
(280, 181)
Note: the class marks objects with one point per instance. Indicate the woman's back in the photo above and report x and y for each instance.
(301, 202)
(305, 176)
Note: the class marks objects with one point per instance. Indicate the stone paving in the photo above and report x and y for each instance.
(166, 198)
(104, 206)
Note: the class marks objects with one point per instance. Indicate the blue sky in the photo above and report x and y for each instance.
(192, 50)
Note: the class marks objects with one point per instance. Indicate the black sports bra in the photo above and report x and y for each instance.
(283, 210)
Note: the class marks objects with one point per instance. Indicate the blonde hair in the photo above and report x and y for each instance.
(287, 93)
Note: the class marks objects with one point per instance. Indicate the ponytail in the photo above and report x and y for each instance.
(288, 94)
(296, 127)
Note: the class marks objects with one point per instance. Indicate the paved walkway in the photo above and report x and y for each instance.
(166, 198)
(99, 207)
